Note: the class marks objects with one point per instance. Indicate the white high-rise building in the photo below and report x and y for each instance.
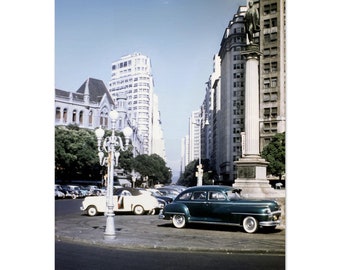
(132, 75)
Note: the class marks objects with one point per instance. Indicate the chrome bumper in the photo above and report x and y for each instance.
(270, 223)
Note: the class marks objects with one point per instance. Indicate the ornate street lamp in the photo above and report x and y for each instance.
(199, 173)
(111, 145)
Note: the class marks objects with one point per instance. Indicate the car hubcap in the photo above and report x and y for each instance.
(179, 219)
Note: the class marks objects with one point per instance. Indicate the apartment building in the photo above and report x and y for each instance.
(272, 69)
(132, 75)
(232, 96)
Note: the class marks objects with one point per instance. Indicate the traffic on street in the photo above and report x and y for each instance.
(155, 244)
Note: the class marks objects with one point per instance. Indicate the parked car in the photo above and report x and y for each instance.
(221, 205)
(168, 192)
(124, 200)
(69, 193)
(58, 194)
(159, 195)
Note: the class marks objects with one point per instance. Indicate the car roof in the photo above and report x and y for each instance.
(209, 187)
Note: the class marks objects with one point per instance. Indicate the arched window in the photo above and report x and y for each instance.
(74, 116)
(90, 118)
(81, 113)
(104, 115)
(57, 114)
(65, 115)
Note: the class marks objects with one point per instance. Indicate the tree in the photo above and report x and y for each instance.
(76, 154)
(154, 167)
(189, 178)
(275, 154)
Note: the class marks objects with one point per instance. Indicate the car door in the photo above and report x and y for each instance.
(198, 205)
(218, 209)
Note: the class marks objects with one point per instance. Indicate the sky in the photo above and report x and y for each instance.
(179, 36)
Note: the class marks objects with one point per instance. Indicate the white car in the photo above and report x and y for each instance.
(124, 200)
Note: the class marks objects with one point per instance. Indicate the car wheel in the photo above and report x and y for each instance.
(92, 211)
(138, 210)
(250, 224)
(178, 221)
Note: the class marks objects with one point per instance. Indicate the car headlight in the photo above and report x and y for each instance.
(267, 211)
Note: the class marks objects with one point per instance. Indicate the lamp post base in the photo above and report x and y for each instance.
(109, 237)
(110, 231)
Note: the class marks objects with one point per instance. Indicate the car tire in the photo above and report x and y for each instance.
(178, 221)
(250, 224)
(138, 210)
(92, 211)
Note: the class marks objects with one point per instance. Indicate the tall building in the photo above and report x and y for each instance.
(158, 144)
(272, 69)
(132, 76)
(232, 86)
(184, 153)
(213, 106)
(194, 135)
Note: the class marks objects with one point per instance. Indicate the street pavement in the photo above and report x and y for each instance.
(150, 232)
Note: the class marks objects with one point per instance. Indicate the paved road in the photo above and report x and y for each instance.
(149, 232)
(88, 257)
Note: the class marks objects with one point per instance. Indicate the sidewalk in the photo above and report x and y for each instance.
(149, 232)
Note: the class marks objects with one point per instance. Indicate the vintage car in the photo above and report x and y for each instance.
(124, 200)
(221, 205)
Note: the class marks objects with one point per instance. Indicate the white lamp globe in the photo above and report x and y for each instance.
(113, 115)
(99, 132)
(127, 132)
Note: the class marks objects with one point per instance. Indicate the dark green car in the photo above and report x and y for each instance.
(221, 205)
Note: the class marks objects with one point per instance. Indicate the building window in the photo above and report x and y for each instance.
(266, 68)
(57, 114)
(274, 66)
(274, 82)
(266, 112)
(266, 83)
(273, 51)
(274, 22)
(90, 118)
(274, 112)
(74, 116)
(273, 37)
(65, 115)
(266, 24)
(274, 96)
(267, 38)
(273, 8)
(266, 9)
(81, 114)
(266, 97)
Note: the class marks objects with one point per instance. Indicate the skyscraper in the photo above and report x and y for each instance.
(132, 75)
(272, 69)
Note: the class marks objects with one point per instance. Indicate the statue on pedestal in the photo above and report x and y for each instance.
(252, 22)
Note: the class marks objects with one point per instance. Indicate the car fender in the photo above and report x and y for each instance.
(176, 208)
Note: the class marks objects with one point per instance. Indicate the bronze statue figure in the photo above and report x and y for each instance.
(252, 21)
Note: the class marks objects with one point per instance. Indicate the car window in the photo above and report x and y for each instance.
(199, 195)
(216, 196)
(233, 196)
(185, 196)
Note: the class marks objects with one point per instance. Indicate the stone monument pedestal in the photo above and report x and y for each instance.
(252, 179)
